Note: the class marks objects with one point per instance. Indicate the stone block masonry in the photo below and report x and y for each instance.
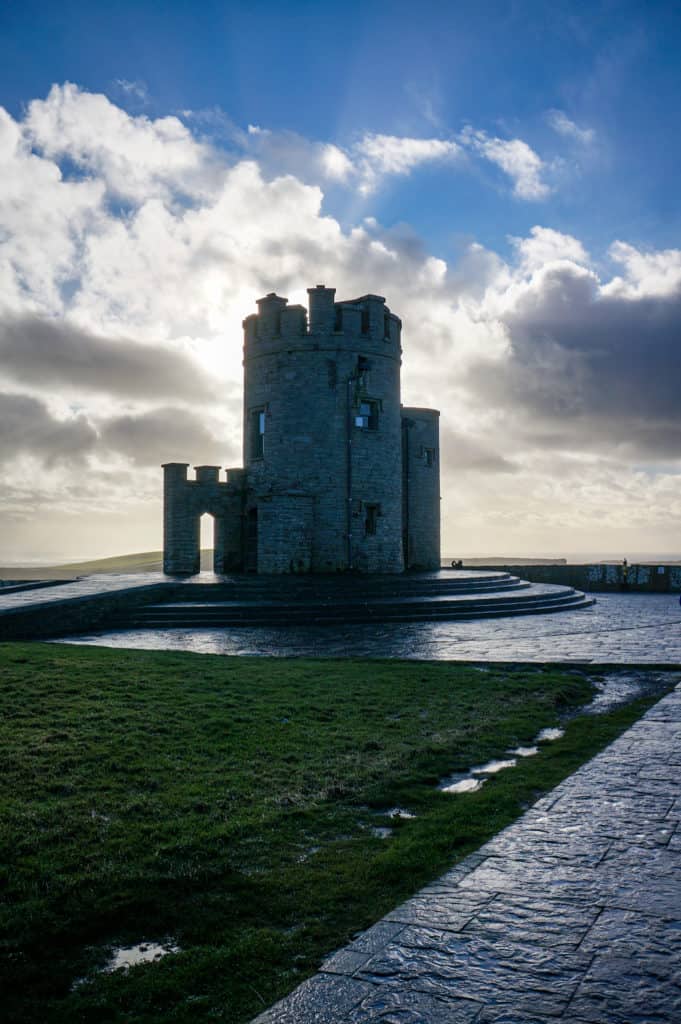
(337, 476)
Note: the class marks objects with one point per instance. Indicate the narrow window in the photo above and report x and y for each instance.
(429, 456)
(386, 328)
(338, 318)
(371, 514)
(367, 417)
(257, 433)
(365, 321)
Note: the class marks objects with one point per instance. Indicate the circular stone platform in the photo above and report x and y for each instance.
(287, 600)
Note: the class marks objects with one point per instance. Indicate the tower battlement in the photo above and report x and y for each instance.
(365, 322)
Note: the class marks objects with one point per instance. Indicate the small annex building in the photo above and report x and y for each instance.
(337, 475)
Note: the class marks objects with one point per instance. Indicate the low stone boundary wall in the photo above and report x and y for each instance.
(660, 579)
(78, 614)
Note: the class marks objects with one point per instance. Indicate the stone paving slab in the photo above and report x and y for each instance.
(573, 913)
(619, 628)
(85, 587)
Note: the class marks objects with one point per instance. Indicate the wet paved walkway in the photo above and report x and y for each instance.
(573, 913)
(70, 590)
(618, 628)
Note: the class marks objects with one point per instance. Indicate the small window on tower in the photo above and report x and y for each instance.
(257, 422)
(372, 512)
(367, 417)
(429, 456)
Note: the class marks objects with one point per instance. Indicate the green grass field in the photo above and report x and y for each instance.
(226, 804)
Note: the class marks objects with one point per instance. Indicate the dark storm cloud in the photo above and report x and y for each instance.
(589, 368)
(57, 354)
(28, 428)
(166, 435)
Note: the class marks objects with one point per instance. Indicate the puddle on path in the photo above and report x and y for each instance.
(399, 812)
(125, 957)
(122, 958)
(381, 832)
(613, 690)
(457, 784)
(471, 781)
(619, 688)
(492, 767)
(392, 812)
(547, 735)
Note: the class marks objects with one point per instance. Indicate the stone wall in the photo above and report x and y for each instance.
(285, 532)
(421, 487)
(601, 578)
(80, 614)
(329, 398)
(185, 501)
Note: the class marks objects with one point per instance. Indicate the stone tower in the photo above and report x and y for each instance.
(336, 475)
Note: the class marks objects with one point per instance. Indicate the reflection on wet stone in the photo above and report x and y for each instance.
(408, 1006)
(619, 628)
(443, 963)
(571, 914)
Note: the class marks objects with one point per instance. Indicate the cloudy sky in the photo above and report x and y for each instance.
(506, 174)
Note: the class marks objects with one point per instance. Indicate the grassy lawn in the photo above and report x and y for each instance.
(226, 804)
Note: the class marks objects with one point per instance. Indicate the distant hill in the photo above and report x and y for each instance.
(142, 561)
(152, 561)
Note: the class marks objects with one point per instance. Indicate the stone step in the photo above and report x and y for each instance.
(357, 587)
(223, 614)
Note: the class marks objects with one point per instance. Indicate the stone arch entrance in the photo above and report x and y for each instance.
(186, 503)
(208, 529)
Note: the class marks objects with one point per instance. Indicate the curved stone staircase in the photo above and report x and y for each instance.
(304, 600)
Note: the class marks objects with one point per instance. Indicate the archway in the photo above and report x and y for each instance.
(207, 539)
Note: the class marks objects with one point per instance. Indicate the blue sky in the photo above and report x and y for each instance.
(506, 174)
(333, 71)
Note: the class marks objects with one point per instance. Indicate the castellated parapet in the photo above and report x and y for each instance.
(337, 476)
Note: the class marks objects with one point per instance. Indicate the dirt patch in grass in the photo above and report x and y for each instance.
(226, 808)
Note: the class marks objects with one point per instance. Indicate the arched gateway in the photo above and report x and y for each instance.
(338, 475)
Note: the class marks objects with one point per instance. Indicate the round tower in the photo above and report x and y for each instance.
(322, 435)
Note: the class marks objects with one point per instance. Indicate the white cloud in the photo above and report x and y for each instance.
(546, 246)
(515, 158)
(562, 124)
(124, 327)
(136, 88)
(375, 157)
(336, 164)
(645, 273)
(381, 155)
(136, 157)
(362, 165)
(43, 221)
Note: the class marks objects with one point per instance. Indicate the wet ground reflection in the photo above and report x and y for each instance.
(613, 690)
(619, 628)
(144, 952)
